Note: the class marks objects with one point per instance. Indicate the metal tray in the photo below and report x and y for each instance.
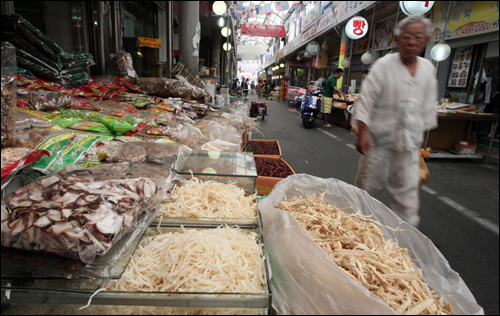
(73, 292)
(18, 264)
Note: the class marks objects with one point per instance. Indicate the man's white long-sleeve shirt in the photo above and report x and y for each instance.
(396, 107)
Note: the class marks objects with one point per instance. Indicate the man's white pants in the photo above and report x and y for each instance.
(398, 171)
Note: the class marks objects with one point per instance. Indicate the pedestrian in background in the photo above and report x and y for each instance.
(395, 108)
(327, 95)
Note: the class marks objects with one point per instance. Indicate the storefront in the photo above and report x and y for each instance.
(470, 74)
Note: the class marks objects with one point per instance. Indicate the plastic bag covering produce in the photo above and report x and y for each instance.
(170, 88)
(215, 144)
(78, 63)
(307, 281)
(23, 120)
(167, 153)
(9, 87)
(42, 100)
(113, 123)
(216, 130)
(88, 211)
(32, 137)
(196, 93)
(122, 66)
(187, 134)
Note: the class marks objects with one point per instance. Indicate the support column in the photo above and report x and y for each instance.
(216, 53)
(190, 12)
(162, 34)
(344, 44)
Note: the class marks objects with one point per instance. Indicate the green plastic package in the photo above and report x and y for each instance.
(91, 127)
(76, 151)
(61, 120)
(53, 145)
(112, 123)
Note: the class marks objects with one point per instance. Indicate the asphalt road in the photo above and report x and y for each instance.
(459, 206)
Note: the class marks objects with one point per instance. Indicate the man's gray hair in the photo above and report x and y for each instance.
(415, 18)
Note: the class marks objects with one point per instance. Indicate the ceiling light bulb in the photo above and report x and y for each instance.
(221, 22)
(226, 31)
(440, 51)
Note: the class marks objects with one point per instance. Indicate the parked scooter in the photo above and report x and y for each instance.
(310, 107)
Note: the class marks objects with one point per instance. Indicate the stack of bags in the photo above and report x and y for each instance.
(38, 56)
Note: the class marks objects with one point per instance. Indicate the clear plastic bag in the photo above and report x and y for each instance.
(24, 120)
(187, 134)
(166, 88)
(43, 62)
(9, 86)
(215, 144)
(78, 213)
(215, 130)
(42, 100)
(196, 93)
(307, 281)
(122, 66)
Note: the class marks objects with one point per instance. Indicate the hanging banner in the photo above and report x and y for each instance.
(263, 30)
(460, 68)
(347, 9)
(466, 18)
(383, 34)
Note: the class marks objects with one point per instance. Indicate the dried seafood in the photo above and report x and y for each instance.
(79, 213)
(358, 247)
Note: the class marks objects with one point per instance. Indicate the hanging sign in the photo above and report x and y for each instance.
(466, 18)
(416, 7)
(149, 42)
(313, 48)
(263, 30)
(356, 28)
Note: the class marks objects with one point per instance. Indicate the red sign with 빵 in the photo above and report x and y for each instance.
(263, 30)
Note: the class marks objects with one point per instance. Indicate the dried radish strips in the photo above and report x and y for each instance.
(221, 260)
(357, 245)
(194, 198)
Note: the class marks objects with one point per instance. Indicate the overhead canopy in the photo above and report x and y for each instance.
(251, 50)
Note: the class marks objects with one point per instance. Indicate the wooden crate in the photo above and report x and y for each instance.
(267, 141)
(265, 185)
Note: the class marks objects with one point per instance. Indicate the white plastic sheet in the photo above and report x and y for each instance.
(305, 280)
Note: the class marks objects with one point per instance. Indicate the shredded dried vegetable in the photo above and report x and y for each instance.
(221, 260)
(194, 198)
(358, 247)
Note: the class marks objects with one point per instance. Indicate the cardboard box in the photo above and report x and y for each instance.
(267, 141)
(265, 185)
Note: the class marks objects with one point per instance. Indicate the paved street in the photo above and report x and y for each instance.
(460, 204)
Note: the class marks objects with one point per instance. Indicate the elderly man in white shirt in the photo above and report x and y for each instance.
(395, 108)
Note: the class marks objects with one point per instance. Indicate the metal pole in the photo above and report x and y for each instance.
(426, 140)
(115, 10)
(491, 142)
(102, 62)
(170, 49)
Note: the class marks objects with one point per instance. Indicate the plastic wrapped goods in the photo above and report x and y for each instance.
(311, 282)
(9, 87)
(42, 100)
(77, 213)
(122, 66)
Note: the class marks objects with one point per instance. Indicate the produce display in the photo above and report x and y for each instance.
(264, 148)
(272, 168)
(192, 261)
(79, 214)
(356, 244)
(195, 198)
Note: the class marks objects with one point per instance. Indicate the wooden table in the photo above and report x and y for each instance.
(469, 118)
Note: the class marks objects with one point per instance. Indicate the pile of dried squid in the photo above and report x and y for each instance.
(358, 247)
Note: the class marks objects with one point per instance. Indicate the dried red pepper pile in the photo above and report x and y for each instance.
(272, 168)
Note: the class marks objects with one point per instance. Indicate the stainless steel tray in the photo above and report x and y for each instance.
(24, 291)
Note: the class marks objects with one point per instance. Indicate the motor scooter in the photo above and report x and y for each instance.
(310, 107)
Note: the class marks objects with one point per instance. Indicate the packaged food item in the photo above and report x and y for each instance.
(91, 127)
(25, 73)
(72, 56)
(10, 155)
(23, 120)
(32, 137)
(53, 145)
(9, 86)
(43, 62)
(89, 210)
(38, 69)
(215, 144)
(75, 150)
(16, 159)
(44, 100)
(112, 123)
(125, 152)
(122, 66)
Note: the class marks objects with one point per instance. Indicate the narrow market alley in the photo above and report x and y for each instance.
(459, 206)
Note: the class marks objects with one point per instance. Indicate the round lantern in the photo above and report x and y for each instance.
(366, 58)
(416, 7)
(219, 7)
(440, 51)
(356, 28)
(282, 65)
(312, 48)
(346, 63)
(227, 46)
(225, 31)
